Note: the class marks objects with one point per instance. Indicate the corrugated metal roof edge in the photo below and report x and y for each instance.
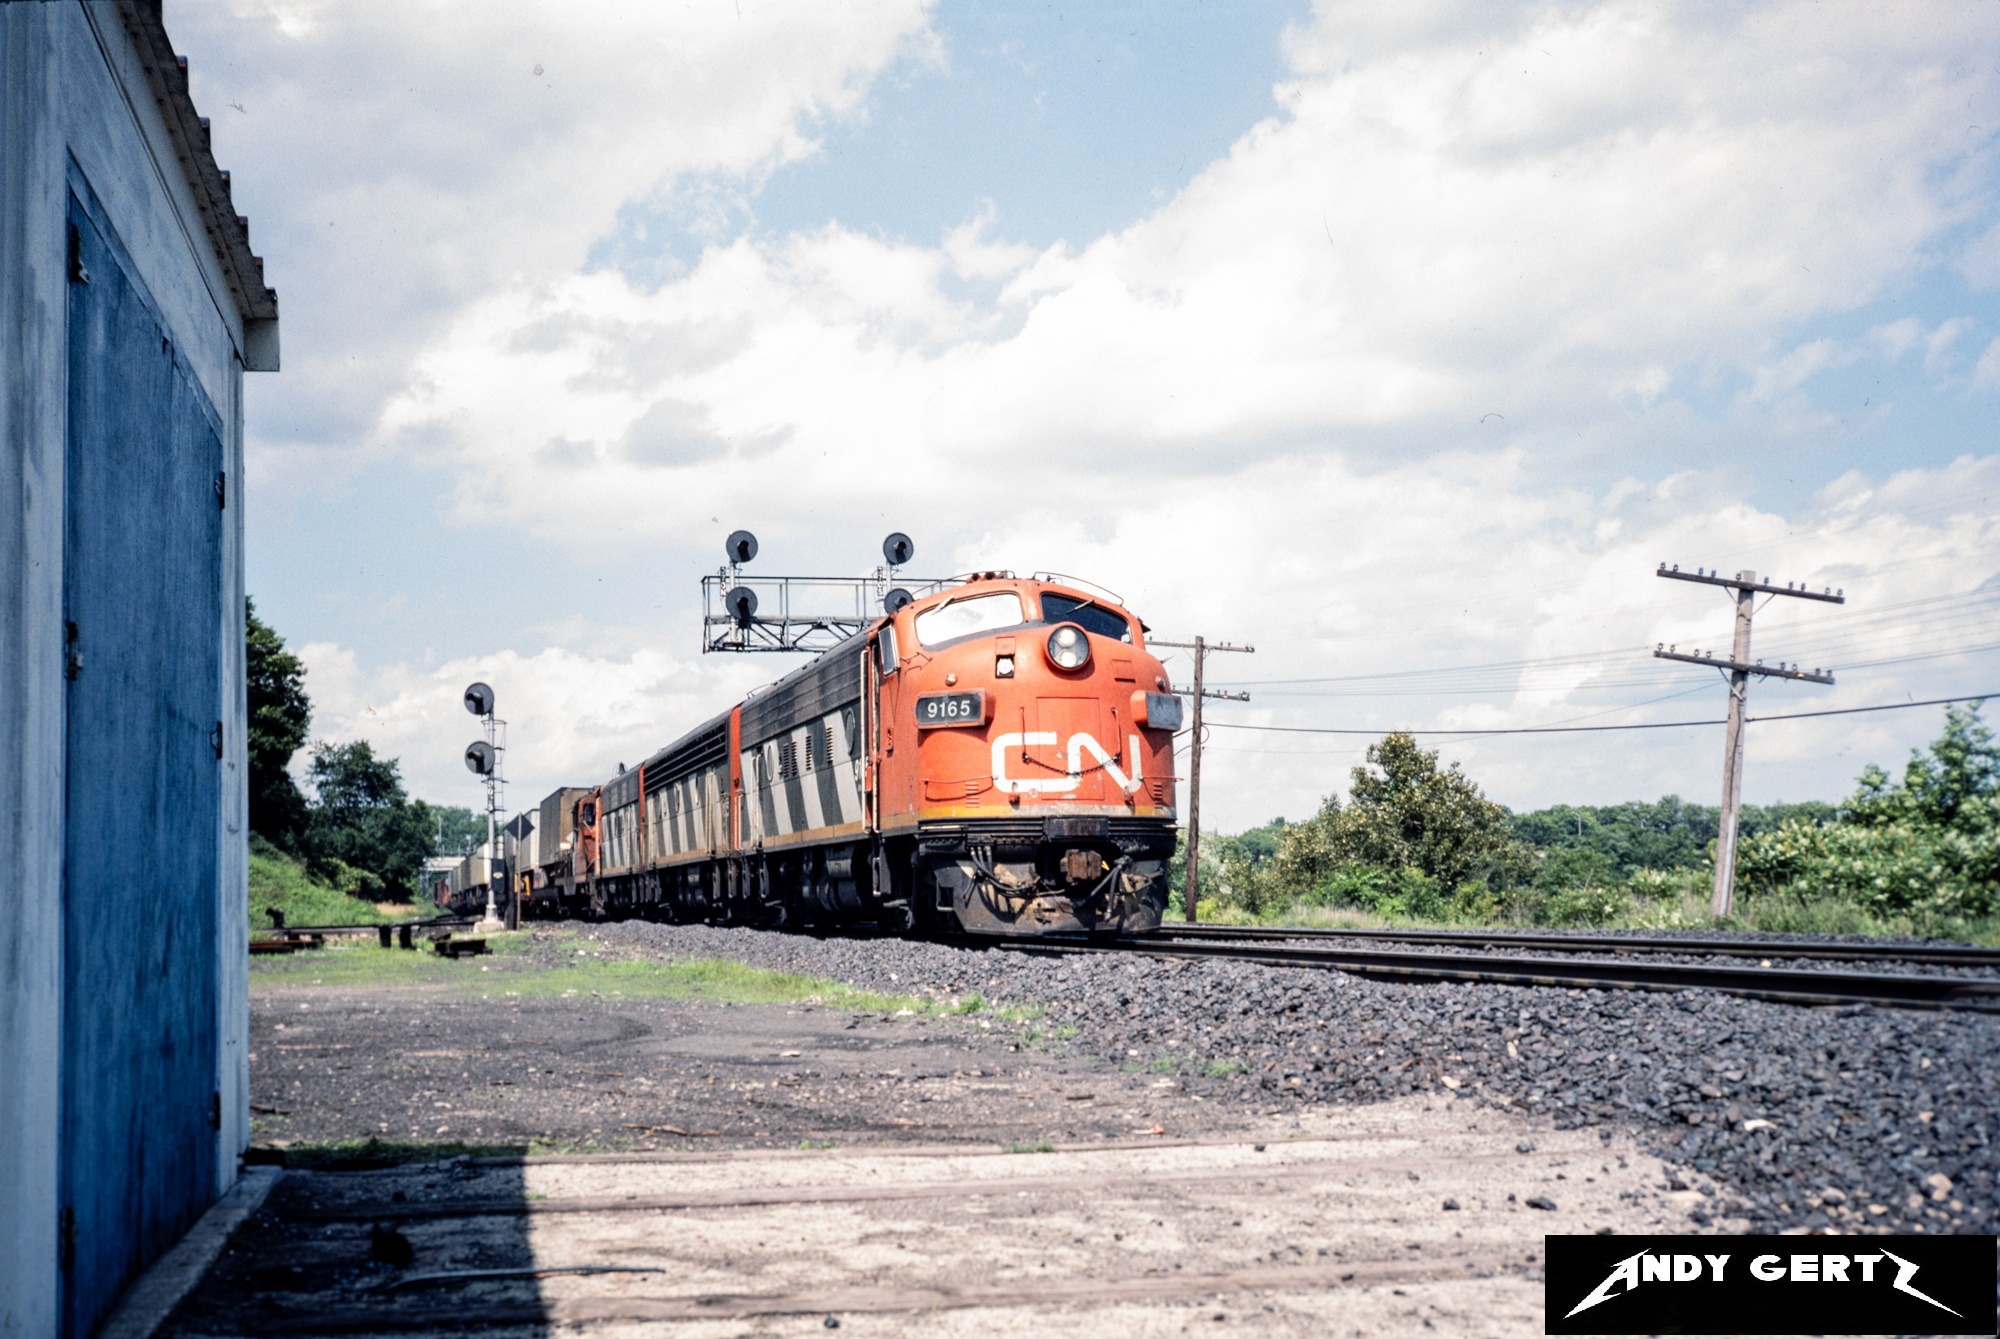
(228, 231)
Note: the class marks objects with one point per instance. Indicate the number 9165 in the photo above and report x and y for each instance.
(938, 709)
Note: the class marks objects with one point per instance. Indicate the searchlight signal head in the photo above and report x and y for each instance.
(479, 758)
(741, 602)
(898, 549)
(741, 547)
(895, 600)
(479, 699)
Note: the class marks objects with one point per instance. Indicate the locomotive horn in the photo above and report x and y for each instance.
(479, 757)
(741, 602)
(898, 548)
(741, 546)
(479, 700)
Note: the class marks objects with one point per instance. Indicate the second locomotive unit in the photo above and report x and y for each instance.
(995, 757)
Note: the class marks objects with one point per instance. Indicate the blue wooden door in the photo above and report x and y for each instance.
(142, 586)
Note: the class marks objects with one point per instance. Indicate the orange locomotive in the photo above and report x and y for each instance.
(996, 757)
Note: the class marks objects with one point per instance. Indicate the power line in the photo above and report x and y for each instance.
(1590, 729)
(1815, 635)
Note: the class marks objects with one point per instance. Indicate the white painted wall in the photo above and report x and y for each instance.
(71, 88)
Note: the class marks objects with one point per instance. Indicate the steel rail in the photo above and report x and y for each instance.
(1943, 955)
(1783, 985)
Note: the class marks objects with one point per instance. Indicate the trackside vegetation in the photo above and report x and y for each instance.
(281, 881)
(352, 831)
(1415, 841)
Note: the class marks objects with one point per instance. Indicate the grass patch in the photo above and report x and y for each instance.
(281, 881)
(1038, 1146)
(513, 969)
(1222, 1069)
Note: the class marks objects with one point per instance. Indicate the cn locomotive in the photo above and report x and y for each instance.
(994, 758)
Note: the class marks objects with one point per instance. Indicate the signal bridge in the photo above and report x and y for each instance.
(813, 614)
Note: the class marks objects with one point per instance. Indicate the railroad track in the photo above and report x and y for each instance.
(1784, 985)
(1830, 950)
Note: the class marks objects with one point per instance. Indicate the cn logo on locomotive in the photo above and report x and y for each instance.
(1059, 785)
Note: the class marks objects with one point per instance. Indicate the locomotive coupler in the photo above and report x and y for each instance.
(1111, 872)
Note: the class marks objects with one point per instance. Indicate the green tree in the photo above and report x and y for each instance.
(455, 830)
(362, 822)
(1951, 786)
(1662, 834)
(279, 712)
(1405, 812)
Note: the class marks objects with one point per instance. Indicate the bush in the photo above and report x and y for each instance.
(1384, 891)
(1588, 904)
(1886, 869)
(1926, 846)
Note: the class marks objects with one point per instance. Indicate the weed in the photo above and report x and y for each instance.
(1039, 1146)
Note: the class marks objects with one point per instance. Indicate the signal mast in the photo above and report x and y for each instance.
(482, 758)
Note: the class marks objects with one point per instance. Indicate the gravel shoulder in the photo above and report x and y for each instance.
(1849, 1119)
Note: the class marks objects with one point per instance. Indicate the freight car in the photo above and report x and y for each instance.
(995, 757)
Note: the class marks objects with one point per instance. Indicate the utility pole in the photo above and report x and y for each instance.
(1739, 668)
(1201, 646)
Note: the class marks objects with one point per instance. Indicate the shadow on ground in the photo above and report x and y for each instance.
(378, 1237)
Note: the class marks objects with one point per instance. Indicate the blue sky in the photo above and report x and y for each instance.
(1063, 122)
(1389, 341)
(1066, 120)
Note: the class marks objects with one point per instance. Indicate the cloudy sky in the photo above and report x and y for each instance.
(1402, 342)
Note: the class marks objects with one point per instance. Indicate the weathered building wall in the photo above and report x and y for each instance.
(122, 982)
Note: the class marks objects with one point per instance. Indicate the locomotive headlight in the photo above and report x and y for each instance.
(1068, 648)
(1003, 667)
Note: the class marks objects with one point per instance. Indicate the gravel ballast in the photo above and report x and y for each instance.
(1849, 1119)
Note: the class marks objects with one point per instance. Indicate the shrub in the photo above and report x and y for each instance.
(1586, 904)
(1927, 845)
(1884, 869)
(1385, 891)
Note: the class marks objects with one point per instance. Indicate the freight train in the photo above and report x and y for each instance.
(995, 757)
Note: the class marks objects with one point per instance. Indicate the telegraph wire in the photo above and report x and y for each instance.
(1809, 634)
(1591, 729)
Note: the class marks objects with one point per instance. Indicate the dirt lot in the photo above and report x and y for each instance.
(414, 1065)
(727, 1157)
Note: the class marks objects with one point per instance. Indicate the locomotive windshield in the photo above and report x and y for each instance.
(1087, 614)
(962, 618)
